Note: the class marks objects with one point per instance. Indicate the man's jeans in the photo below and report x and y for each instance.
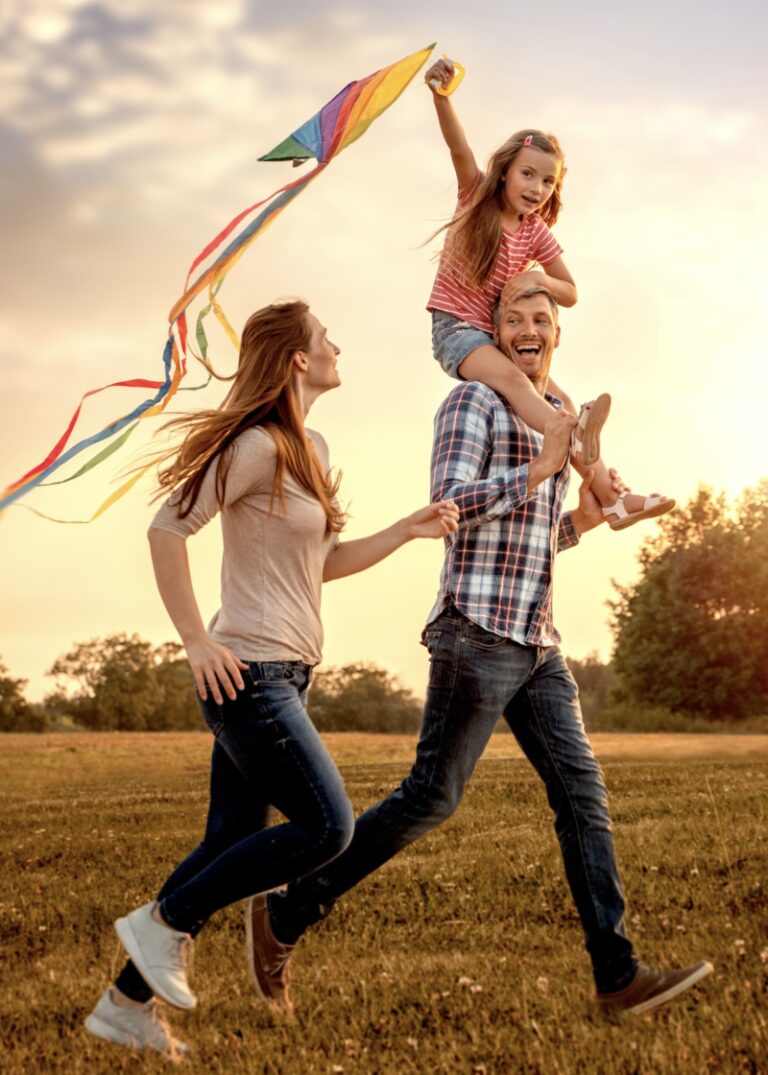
(266, 753)
(474, 677)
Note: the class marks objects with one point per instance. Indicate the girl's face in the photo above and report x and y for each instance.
(530, 180)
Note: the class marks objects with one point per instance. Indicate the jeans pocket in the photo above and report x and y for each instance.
(479, 638)
(213, 713)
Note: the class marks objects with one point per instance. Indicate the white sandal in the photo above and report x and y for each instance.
(653, 505)
(586, 434)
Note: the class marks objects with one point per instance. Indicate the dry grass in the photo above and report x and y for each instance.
(461, 955)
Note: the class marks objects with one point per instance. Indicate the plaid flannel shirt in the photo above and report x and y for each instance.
(498, 566)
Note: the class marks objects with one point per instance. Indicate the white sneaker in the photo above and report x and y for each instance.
(141, 1028)
(160, 955)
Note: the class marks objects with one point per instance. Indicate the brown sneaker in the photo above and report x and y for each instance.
(267, 957)
(651, 988)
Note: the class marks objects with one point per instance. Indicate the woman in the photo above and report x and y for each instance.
(255, 461)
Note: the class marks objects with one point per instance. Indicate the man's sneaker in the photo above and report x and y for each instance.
(651, 988)
(267, 957)
(141, 1028)
(160, 954)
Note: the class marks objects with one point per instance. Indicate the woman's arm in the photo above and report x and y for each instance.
(212, 664)
(349, 557)
(462, 157)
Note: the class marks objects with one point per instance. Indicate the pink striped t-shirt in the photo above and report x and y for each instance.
(533, 241)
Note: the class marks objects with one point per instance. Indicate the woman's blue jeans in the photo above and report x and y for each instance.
(266, 753)
(474, 677)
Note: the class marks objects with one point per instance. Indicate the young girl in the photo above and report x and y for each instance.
(256, 462)
(500, 227)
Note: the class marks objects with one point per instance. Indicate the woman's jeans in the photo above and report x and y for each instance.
(266, 753)
(475, 677)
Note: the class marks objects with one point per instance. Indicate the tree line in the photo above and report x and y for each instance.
(690, 650)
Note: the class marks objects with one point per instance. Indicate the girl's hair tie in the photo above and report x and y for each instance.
(528, 140)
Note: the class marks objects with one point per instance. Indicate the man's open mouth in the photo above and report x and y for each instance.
(528, 349)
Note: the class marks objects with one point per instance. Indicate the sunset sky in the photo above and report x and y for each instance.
(129, 136)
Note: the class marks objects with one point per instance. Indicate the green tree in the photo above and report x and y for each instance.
(177, 708)
(115, 686)
(16, 714)
(596, 681)
(362, 697)
(692, 633)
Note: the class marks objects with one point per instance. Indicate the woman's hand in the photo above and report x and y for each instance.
(433, 521)
(442, 71)
(213, 664)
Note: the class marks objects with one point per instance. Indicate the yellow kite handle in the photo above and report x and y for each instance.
(458, 75)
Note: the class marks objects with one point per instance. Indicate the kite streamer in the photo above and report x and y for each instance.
(337, 125)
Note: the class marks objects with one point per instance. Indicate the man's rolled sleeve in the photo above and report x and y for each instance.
(566, 533)
(463, 442)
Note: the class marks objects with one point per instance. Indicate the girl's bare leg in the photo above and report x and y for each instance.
(491, 367)
(603, 484)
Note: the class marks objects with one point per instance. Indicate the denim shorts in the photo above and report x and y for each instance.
(453, 340)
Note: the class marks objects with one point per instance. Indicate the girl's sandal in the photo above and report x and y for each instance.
(586, 434)
(653, 505)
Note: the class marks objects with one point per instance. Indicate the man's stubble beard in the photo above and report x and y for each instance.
(538, 380)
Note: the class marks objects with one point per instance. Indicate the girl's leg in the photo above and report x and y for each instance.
(634, 507)
(491, 367)
(236, 809)
(488, 365)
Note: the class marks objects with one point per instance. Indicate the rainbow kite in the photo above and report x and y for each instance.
(339, 123)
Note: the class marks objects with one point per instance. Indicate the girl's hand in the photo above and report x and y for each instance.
(442, 71)
(520, 283)
(213, 664)
(434, 521)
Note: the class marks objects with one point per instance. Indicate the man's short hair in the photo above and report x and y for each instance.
(529, 292)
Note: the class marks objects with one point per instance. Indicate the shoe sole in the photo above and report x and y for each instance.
(103, 1030)
(638, 516)
(590, 435)
(662, 998)
(107, 1032)
(131, 944)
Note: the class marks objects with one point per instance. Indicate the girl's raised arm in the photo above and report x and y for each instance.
(463, 158)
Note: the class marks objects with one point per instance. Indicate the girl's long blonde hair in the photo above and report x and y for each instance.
(262, 394)
(474, 236)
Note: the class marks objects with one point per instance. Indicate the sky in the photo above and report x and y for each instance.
(129, 135)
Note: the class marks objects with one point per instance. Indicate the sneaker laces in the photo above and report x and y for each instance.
(159, 1020)
(182, 954)
(279, 962)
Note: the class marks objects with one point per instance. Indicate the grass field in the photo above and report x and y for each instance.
(461, 955)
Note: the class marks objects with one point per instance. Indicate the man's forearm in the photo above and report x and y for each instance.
(483, 499)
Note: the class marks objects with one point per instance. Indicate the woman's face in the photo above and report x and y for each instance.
(321, 372)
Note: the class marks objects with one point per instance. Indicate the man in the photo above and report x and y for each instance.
(493, 650)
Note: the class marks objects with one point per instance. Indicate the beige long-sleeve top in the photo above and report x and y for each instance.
(272, 565)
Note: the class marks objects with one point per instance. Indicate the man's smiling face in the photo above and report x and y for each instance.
(528, 333)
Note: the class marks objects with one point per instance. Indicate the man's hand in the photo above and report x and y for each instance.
(554, 450)
(589, 513)
(433, 521)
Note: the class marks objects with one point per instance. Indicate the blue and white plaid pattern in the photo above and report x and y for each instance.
(498, 566)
